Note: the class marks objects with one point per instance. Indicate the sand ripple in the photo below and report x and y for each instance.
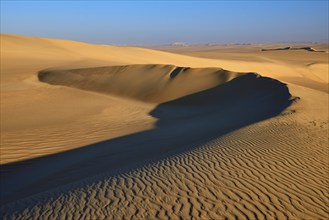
(239, 176)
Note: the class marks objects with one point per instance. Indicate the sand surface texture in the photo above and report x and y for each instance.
(198, 132)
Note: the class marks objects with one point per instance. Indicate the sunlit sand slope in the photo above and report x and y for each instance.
(149, 83)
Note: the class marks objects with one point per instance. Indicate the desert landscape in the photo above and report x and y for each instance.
(179, 131)
(141, 133)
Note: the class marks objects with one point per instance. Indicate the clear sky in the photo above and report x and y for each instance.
(163, 22)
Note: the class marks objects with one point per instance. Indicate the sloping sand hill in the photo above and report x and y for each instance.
(87, 133)
(148, 83)
(58, 114)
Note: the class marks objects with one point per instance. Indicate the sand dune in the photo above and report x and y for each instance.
(19, 83)
(149, 83)
(259, 97)
(130, 133)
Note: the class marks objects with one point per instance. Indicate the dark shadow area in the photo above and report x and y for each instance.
(183, 124)
(281, 48)
(178, 70)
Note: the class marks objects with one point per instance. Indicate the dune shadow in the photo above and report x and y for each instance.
(183, 124)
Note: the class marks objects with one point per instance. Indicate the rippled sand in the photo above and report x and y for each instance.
(88, 134)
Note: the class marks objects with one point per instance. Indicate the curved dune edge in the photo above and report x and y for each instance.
(154, 83)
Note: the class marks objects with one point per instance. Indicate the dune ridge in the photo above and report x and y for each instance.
(149, 83)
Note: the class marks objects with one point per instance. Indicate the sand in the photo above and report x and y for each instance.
(204, 132)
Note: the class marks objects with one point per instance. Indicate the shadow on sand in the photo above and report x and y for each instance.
(183, 124)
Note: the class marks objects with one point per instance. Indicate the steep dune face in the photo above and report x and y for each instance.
(259, 97)
(149, 83)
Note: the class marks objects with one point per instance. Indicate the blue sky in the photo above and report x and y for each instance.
(163, 22)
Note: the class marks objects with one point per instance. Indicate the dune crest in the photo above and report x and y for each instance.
(148, 83)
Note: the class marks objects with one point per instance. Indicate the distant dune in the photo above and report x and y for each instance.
(310, 49)
(106, 132)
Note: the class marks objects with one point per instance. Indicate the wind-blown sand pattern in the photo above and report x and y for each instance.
(175, 137)
(227, 177)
